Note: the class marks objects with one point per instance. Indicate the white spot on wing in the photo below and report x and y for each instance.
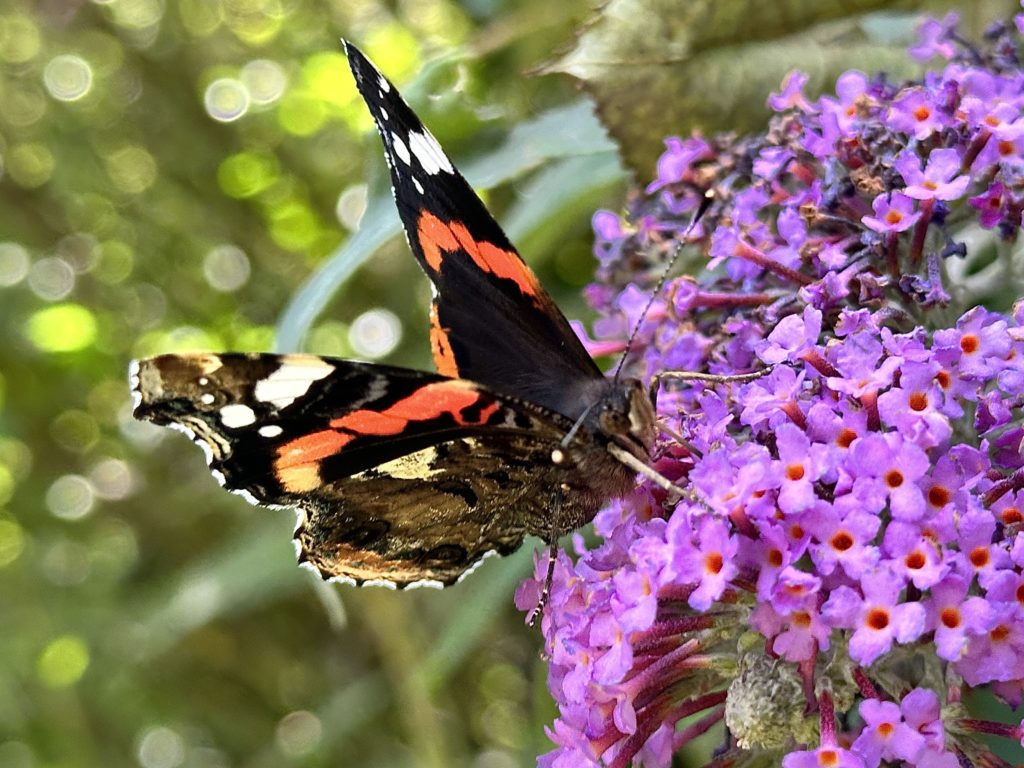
(292, 380)
(237, 415)
(400, 149)
(206, 398)
(271, 430)
(384, 115)
(426, 149)
(385, 86)
(219, 477)
(419, 187)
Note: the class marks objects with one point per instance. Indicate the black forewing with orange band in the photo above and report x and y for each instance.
(491, 321)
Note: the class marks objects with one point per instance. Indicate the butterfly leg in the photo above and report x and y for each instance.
(556, 529)
(545, 593)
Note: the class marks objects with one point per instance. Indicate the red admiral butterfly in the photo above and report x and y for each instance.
(404, 477)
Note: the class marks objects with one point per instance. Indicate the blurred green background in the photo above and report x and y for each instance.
(194, 175)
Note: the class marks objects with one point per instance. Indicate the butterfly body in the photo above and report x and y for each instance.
(404, 477)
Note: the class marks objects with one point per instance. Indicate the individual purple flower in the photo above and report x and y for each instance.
(793, 335)
(979, 343)
(885, 735)
(679, 156)
(980, 553)
(792, 94)
(933, 38)
(913, 407)
(991, 204)
(877, 618)
(707, 562)
(954, 617)
(803, 633)
(940, 179)
(922, 712)
(893, 213)
(823, 757)
(914, 112)
(852, 92)
(914, 556)
(801, 464)
(996, 655)
(889, 466)
(844, 532)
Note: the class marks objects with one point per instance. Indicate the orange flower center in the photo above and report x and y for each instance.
(878, 618)
(979, 557)
(1010, 515)
(842, 541)
(938, 496)
(713, 563)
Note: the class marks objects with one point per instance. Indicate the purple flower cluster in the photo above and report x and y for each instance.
(848, 565)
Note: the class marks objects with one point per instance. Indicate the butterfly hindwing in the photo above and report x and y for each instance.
(398, 475)
(491, 319)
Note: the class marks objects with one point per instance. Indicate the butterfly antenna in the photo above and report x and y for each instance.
(705, 203)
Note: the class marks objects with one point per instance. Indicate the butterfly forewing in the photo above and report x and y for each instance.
(491, 319)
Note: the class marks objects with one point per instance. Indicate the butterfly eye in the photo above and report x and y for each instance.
(613, 421)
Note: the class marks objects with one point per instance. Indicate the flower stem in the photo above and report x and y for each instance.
(754, 256)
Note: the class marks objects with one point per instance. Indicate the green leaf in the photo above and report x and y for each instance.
(658, 68)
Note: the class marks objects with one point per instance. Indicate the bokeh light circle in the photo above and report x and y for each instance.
(51, 278)
(351, 206)
(375, 333)
(14, 264)
(67, 77)
(70, 497)
(299, 733)
(226, 99)
(160, 747)
(226, 268)
(264, 80)
(112, 479)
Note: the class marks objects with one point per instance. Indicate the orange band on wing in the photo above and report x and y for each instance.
(444, 356)
(434, 236)
(297, 461)
(310, 448)
(426, 403)
(437, 237)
